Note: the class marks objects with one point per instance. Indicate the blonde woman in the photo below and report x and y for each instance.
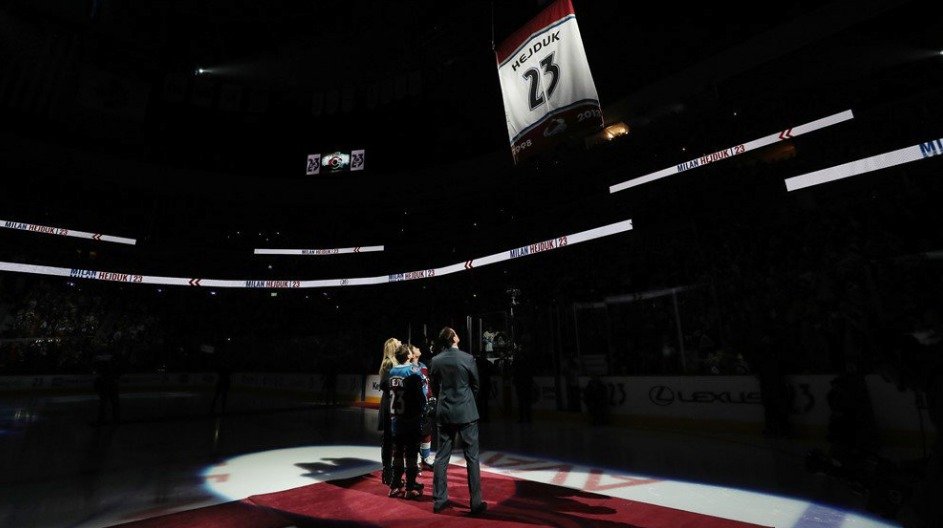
(383, 422)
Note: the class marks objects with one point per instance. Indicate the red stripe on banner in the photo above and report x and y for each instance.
(552, 13)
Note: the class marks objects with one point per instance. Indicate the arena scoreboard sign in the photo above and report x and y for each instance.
(332, 162)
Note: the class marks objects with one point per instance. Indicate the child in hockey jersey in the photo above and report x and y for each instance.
(425, 445)
(407, 403)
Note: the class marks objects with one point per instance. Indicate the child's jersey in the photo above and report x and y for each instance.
(426, 388)
(407, 396)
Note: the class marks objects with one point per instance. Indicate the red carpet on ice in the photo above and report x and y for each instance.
(363, 501)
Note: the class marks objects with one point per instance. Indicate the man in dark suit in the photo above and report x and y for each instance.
(455, 383)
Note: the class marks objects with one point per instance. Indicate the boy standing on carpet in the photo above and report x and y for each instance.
(407, 402)
(425, 446)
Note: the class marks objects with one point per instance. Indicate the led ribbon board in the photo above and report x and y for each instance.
(523, 251)
(61, 231)
(881, 161)
(318, 252)
(735, 150)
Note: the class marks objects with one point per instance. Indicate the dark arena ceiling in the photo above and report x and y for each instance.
(185, 124)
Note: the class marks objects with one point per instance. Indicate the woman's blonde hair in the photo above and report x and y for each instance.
(389, 354)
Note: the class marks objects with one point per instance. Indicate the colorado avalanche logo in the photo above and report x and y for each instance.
(335, 161)
(556, 126)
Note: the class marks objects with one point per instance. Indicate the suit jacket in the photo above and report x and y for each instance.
(455, 383)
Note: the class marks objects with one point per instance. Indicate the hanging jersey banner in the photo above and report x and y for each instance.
(546, 84)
